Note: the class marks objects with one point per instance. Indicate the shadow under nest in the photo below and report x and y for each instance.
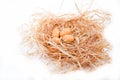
(69, 42)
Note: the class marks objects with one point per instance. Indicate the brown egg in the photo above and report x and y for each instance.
(55, 33)
(68, 38)
(51, 49)
(65, 31)
(56, 40)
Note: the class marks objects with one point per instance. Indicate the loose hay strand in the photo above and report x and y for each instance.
(88, 50)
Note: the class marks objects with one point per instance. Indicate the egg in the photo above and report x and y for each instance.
(55, 33)
(56, 40)
(65, 31)
(52, 49)
(68, 38)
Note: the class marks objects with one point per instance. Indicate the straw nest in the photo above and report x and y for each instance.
(68, 42)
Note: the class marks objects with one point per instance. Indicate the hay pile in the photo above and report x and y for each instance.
(69, 42)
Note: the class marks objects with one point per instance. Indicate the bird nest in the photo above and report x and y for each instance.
(68, 42)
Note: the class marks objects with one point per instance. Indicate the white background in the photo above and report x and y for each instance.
(15, 66)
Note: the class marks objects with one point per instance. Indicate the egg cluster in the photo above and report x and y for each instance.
(65, 35)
